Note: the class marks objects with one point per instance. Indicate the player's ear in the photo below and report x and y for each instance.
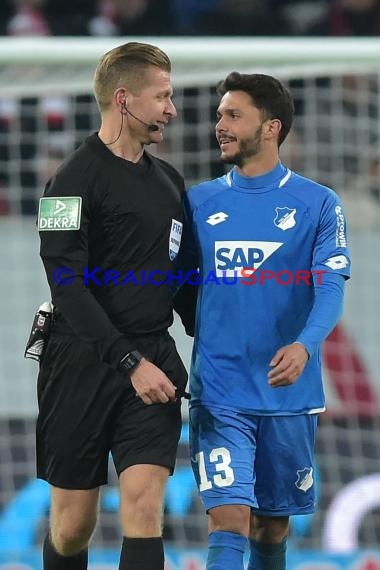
(272, 128)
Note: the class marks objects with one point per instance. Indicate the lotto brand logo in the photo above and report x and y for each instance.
(61, 213)
(218, 218)
(337, 262)
(231, 257)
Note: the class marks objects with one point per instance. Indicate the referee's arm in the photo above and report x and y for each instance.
(69, 249)
(88, 320)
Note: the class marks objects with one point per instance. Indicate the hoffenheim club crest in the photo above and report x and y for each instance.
(285, 218)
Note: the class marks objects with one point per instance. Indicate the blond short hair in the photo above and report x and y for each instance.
(126, 65)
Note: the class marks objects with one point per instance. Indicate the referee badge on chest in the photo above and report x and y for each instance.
(175, 238)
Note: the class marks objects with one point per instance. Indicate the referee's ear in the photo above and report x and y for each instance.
(121, 98)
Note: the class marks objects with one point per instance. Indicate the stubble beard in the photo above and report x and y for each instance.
(248, 148)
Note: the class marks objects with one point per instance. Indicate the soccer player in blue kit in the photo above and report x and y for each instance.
(272, 254)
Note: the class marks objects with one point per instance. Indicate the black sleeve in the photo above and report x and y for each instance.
(185, 298)
(68, 248)
(185, 304)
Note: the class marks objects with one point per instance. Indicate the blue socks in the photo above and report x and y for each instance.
(267, 556)
(225, 551)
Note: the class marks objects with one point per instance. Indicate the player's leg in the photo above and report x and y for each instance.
(72, 521)
(144, 453)
(268, 538)
(76, 396)
(228, 528)
(284, 485)
(222, 446)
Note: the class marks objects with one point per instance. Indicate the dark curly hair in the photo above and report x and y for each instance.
(268, 94)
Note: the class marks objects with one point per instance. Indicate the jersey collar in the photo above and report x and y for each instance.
(271, 180)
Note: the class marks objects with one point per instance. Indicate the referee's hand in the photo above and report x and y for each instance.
(151, 384)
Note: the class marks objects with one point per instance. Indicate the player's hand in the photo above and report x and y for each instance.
(151, 384)
(287, 365)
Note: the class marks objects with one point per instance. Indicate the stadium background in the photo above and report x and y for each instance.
(45, 110)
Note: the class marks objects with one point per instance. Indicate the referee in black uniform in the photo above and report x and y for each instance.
(111, 379)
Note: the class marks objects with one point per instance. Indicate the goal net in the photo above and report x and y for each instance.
(46, 109)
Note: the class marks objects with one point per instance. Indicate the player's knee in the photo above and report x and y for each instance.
(71, 536)
(231, 518)
(271, 530)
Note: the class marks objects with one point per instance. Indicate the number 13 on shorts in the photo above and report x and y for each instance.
(224, 476)
(222, 458)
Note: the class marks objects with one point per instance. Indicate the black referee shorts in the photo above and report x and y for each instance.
(86, 411)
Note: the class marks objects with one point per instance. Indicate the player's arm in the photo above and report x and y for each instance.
(289, 361)
(330, 269)
(68, 248)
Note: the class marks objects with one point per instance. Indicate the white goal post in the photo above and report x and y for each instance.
(190, 56)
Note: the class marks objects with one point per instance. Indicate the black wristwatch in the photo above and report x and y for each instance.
(130, 361)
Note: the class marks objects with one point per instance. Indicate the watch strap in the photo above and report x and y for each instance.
(130, 361)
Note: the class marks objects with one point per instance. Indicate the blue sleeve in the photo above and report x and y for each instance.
(330, 249)
(327, 308)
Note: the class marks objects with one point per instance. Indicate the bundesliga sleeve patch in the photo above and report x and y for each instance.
(63, 213)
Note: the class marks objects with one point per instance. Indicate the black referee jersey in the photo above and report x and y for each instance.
(110, 230)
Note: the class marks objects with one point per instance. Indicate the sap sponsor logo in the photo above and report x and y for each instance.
(231, 257)
(285, 218)
(340, 236)
(337, 262)
(304, 479)
(218, 218)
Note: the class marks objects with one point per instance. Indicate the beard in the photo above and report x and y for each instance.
(248, 148)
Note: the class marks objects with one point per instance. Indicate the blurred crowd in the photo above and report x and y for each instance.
(189, 17)
(49, 127)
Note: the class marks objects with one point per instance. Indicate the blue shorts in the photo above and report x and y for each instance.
(265, 462)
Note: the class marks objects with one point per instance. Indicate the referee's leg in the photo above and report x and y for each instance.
(144, 451)
(77, 396)
(142, 490)
(72, 522)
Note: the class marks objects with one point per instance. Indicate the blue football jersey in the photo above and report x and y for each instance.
(260, 243)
